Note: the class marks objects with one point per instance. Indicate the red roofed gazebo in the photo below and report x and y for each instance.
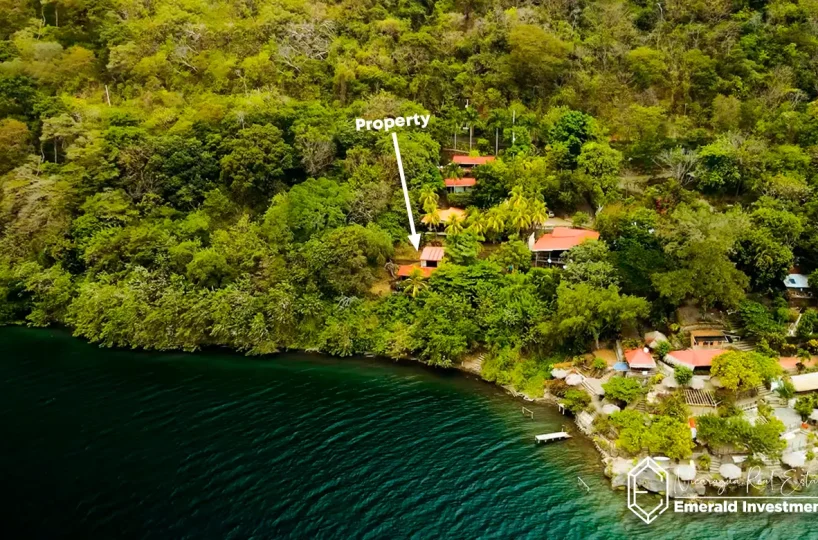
(640, 359)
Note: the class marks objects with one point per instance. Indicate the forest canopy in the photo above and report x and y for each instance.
(176, 175)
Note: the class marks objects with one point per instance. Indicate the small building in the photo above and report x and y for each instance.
(459, 185)
(430, 258)
(797, 284)
(805, 383)
(468, 162)
(640, 359)
(551, 247)
(694, 358)
(711, 339)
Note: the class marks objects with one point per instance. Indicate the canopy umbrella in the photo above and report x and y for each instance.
(610, 408)
(558, 373)
(794, 459)
(696, 383)
(621, 366)
(730, 471)
(686, 472)
(670, 382)
(574, 379)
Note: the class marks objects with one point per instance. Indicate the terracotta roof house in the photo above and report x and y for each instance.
(459, 185)
(430, 257)
(640, 359)
(470, 161)
(694, 358)
(550, 248)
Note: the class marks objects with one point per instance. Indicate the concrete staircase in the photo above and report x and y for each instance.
(641, 406)
(744, 345)
(736, 326)
(763, 392)
(715, 463)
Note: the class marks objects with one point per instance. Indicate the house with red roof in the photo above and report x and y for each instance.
(430, 258)
(550, 248)
(467, 163)
(640, 359)
(459, 185)
(472, 161)
(694, 358)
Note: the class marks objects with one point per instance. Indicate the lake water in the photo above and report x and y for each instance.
(117, 444)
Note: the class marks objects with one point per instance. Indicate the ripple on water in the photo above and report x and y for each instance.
(103, 443)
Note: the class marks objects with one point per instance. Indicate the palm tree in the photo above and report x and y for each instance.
(415, 282)
(428, 198)
(494, 221)
(455, 225)
(520, 219)
(538, 212)
(432, 219)
(452, 170)
(516, 200)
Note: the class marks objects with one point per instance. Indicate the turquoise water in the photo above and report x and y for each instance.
(117, 444)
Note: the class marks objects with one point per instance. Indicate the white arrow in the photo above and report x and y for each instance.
(414, 237)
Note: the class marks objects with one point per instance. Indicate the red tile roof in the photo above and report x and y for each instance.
(458, 182)
(695, 357)
(472, 160)
(639, 359)
(432, 253)
(563, 238)
(405, 270)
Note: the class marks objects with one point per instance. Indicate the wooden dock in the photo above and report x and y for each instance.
(548, 437)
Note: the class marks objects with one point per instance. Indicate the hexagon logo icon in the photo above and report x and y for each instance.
(640, 502)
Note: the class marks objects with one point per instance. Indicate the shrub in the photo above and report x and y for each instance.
(575, 400)
(623, 389)
(662, 348)
(683, 374)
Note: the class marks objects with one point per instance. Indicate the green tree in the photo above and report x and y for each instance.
(256, 161)
(575, 400)
(741, 371)
(682, 374)
(625, 389)
(462, 248)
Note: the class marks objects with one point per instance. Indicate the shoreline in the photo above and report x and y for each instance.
(614, 468)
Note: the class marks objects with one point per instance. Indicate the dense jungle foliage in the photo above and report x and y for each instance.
(185, 173)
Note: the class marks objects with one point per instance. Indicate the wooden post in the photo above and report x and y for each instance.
(107, 95)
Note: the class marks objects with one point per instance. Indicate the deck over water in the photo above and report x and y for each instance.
(552, 436)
